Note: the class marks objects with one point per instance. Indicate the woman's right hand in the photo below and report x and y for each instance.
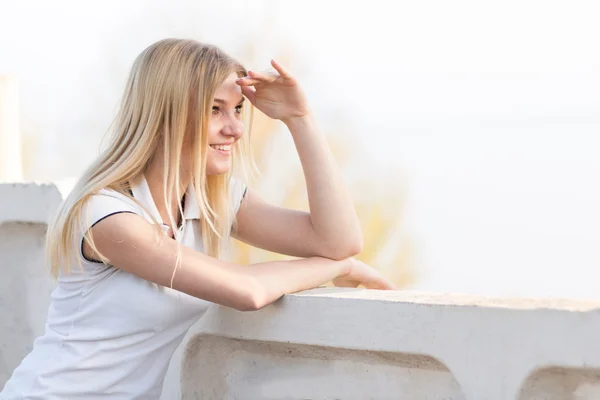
(363, 274)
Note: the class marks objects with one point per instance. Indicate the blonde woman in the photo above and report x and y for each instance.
(136, 246)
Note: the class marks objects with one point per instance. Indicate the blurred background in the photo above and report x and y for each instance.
(468, 131)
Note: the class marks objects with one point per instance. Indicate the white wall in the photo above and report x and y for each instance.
(10, 138)
(486, 113)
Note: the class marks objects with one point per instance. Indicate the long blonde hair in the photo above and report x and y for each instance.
(170, 88)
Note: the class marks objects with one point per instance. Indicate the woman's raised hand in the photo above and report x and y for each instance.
(275, 93)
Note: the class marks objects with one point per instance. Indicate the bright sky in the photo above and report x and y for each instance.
(487, 112)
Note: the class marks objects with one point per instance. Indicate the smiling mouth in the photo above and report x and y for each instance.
(221, 147)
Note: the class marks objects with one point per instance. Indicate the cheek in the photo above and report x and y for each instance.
(240, 125)
(213, 129)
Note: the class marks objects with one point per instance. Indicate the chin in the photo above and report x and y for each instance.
(217, 169)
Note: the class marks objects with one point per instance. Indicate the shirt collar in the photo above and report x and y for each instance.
(191, 208)
(141, 192)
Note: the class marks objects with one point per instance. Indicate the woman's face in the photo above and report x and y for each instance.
(225, 126)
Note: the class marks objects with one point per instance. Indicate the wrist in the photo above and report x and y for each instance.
(298, 120)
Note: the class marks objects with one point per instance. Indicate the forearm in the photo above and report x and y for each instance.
(251, 287)
(332, 211)
(277, 278)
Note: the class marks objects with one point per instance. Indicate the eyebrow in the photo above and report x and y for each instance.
(221, 101)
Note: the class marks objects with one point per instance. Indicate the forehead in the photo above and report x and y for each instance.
(229, 90)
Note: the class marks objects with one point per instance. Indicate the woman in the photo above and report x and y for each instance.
(135, 247)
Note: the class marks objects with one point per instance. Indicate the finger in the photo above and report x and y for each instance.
(249, 92)
(282, 71)
(342, 282)
(263, 76)
(247, 81)
(381, 284)
(384, 284)
(346, 284)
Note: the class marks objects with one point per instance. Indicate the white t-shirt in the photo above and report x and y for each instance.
(110, 334)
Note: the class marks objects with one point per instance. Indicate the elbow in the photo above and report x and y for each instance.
(252, 304)
(255, 297)
(341, 250)
(350, 250)
(356, 243)
(352, 244)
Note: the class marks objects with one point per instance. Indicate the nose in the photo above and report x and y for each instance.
(233, 127)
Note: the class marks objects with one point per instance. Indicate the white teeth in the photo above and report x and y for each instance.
(221, 147)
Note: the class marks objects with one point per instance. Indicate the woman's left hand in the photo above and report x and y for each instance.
(363, 274)
(277, 94)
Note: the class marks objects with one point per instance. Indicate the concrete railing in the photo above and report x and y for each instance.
(25, 283)
(332, 343)
(360, 344)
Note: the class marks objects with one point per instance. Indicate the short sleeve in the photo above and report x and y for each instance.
(100, 206)
(237, 191)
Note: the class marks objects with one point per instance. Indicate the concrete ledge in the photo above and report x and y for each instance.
(28, 202)
(480, 348)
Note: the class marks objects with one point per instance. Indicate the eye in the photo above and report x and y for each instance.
(239, 108)
(215, 110)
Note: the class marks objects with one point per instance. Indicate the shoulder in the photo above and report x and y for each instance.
(97, 208)
(105, 203)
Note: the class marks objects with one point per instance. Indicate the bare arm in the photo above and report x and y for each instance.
(332, 214)
(132, 244)
(278, 229)
(331, 229)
